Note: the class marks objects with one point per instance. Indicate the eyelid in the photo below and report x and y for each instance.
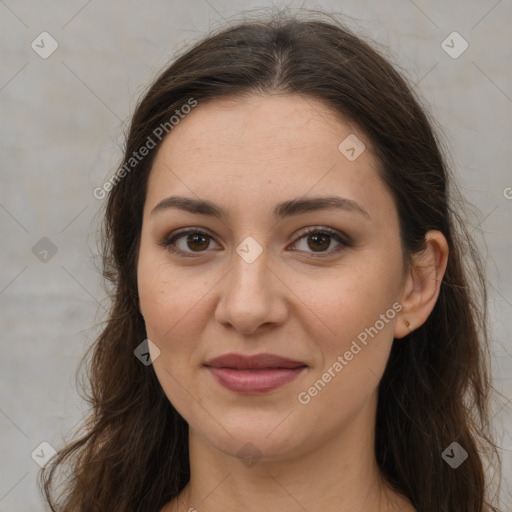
(179, 233)
(342, 239)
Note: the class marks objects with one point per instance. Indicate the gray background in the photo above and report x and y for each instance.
(62, 119)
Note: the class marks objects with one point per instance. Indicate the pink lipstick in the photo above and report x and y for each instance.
(255, 374)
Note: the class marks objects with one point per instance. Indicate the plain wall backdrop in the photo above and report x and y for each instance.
(62, 120)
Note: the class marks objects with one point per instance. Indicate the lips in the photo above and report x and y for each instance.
(255, 374)
(258, 361)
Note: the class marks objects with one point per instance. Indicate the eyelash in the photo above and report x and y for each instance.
(169, 241)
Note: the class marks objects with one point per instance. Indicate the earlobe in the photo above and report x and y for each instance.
(403, 327)
(423, 284)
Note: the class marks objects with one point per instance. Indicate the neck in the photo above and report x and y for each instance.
(341, 474)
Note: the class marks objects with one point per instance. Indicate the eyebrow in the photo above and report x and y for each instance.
(281, 210)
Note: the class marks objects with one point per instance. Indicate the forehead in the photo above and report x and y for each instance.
(260, 126)
(263, 147)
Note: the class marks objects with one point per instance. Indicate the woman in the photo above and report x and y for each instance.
(293, 326)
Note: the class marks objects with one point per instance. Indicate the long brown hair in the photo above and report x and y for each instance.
(132, 454)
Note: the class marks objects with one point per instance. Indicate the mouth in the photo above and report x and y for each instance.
(255, 374)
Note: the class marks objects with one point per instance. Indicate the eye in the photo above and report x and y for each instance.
(193, 240)
(319, 240)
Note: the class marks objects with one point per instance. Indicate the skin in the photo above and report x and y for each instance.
(246, 155)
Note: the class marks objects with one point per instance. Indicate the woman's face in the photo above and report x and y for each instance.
(254, 281)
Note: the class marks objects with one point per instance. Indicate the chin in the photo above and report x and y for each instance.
(258, 440)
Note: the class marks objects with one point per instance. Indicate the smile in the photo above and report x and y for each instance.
(255, 381)
(254, 374)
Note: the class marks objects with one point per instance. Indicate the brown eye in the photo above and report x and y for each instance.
(319, 240)
(192, 242)
(188, 242)
(197, 241)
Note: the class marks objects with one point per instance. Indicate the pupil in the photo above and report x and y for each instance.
(316, 238)
(195, 238)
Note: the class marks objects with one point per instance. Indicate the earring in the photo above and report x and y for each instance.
(407, 324)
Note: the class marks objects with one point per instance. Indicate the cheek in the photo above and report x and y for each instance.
(166, 302)
(359, 311)
(355, 312)
(350, 302)
(172, 315)
(165, 293)
(176, 305)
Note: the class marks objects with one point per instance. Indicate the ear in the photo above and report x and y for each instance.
(423, 283)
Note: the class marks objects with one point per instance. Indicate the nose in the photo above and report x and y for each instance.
(251, 296)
